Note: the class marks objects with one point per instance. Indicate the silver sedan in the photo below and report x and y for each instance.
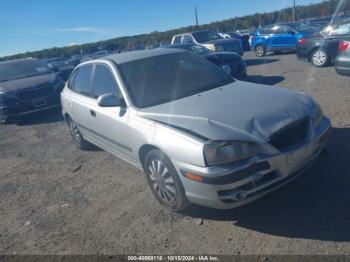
(199, 136)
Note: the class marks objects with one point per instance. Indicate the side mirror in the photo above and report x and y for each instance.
(291, 32)
(110, 100)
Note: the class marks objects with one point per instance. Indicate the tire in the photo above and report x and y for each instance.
(319, 58)
(164, 181)
(260, 51)
(77, 137)
(3, 119)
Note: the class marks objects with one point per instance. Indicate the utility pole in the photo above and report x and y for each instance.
(196, 14)
(294, 11)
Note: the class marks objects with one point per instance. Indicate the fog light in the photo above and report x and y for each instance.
(241, 196)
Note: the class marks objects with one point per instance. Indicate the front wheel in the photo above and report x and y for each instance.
(319, 58)
(164, 181)
(260, 51)
(78, 139)
(3, 119)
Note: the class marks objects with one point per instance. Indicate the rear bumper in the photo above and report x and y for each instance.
(342, 65)
(238, 184)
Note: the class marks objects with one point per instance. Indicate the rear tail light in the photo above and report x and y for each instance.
(301, 41)
(343, 46)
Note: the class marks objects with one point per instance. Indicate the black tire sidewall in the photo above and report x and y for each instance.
(83, 145)
(180, 202)
(3, 119)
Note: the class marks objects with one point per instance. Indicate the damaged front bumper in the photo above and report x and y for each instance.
(229, 186)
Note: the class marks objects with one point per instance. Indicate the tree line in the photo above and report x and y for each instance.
(325, 8)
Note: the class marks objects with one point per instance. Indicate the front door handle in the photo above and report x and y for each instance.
(92, 113)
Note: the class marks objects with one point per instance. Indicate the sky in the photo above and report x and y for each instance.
(37, 24)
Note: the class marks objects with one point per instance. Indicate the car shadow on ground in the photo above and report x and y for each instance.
(265, 80)
(50, 116)
(315, 206)
(262, 61)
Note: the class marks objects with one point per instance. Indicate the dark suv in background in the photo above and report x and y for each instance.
(27, 86)
(321, 48)
(211, 40)
(231, 63)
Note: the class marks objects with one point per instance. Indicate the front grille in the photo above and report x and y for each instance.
(290, 135)
(31, 94)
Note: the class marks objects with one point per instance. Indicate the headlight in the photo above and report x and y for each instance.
(318, 114)
(222, 152)
(211, 47)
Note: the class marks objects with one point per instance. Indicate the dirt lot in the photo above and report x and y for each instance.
(56, 199)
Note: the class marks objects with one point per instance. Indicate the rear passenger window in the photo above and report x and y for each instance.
(82, 80)
(177, 40)
(104, 82)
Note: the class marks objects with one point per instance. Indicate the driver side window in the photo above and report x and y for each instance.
(104, 82)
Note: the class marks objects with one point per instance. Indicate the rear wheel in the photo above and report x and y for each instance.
(78, 139)
(260, 51)
(319, 58)
(164, 181)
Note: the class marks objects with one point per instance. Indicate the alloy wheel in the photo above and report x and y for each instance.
(319, 58)
(260, 51)
(162, 181)
(75, 133)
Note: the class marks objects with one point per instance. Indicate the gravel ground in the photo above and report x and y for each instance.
(56, 199)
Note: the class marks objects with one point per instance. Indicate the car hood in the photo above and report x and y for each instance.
(223, 57)
(27, 82)
(238, 111)
(222, 41)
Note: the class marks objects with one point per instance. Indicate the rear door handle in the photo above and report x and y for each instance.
(69, 103)
(92, 113)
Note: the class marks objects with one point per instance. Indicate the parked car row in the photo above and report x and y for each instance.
(177, 114)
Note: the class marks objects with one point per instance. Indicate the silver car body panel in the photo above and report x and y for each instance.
(239, 111)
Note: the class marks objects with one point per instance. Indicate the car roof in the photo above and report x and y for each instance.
(137, 55)
(193, 32)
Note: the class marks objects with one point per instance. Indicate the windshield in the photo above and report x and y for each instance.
(205, 36)
(23, 68)
(166, 78)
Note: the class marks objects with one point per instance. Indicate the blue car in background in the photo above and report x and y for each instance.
(279, 37)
